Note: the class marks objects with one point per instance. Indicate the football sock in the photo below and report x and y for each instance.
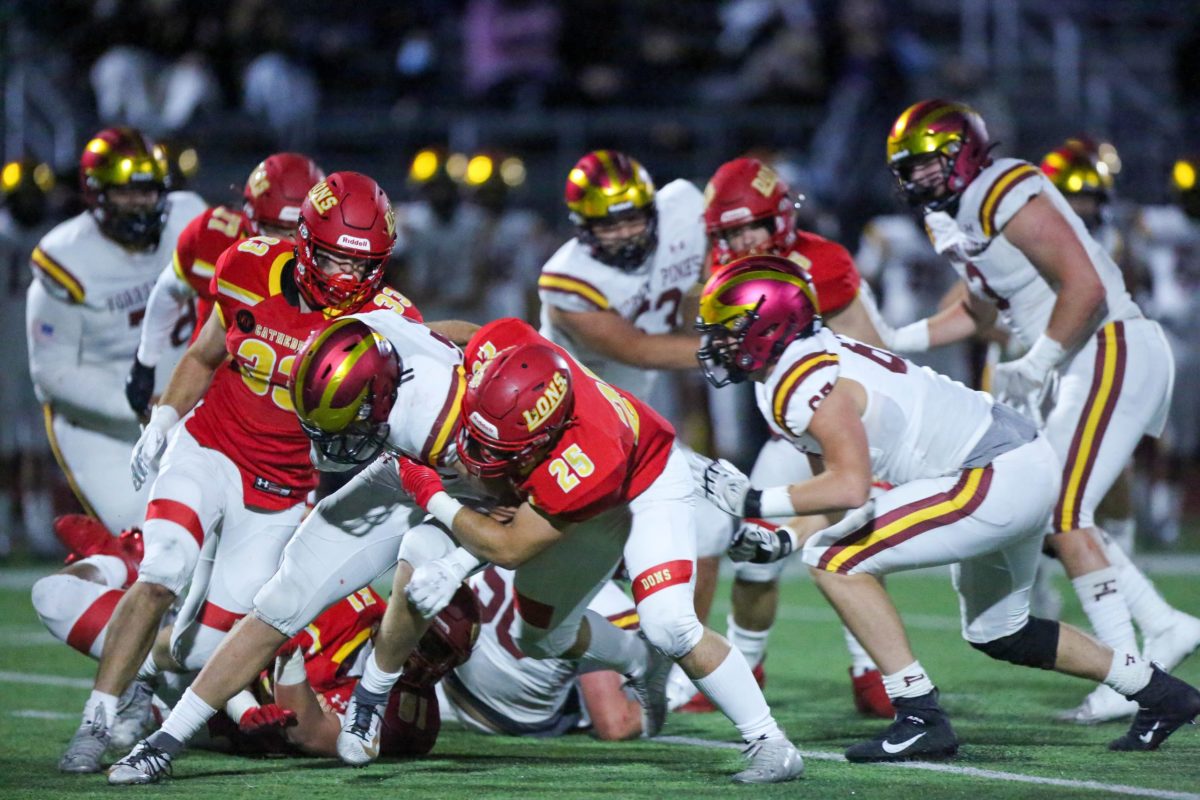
(165, 742)
(189, 715)
(375, 680)
(75, 611)
(912, 681)
(1105, 609)
(751, 644)
(97, 700)
(1121, 531)
(1128, 674)
(149, 669)
(613, 648)
(732, 689)
(1152, 613)
(860, 661)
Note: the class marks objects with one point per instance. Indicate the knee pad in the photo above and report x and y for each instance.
(193, 648)
(59, 600)
(674, 636)
(758, 573)
(171, 556)
(1035, 645)
(539, 643)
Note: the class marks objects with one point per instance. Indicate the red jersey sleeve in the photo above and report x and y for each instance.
(203, 241)
(832, 269)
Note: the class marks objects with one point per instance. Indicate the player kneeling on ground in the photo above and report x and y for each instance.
(974, 484)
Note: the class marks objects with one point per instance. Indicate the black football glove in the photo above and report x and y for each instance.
(139, 387)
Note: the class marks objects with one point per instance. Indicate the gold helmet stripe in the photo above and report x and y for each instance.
(610, 169)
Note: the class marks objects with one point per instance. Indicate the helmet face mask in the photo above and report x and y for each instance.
(514, 412)
(749, 313)
(343, 389)
(124, 177)
(951, 132)
(749, 210)
(605, 189)
(349, 218)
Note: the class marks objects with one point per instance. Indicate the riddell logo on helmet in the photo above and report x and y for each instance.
(735, 214)
(345, 240)
(552, 397)
(322, 197)
(479, 422)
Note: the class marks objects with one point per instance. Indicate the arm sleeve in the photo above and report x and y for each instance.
(168, 300)
(84, 391)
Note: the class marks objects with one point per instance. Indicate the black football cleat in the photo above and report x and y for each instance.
(921, 730)
(1164, 706)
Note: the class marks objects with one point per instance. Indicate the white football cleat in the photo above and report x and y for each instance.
(135, 716)
(1102, 705)
(358, 743)
(773, 760)
(87, 746)
(651, 691)
(144, 764)
(1176, 643)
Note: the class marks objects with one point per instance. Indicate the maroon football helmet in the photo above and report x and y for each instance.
(343, 388)
(514, 409)
(447, 643)
(123, 159)
(346, 216)
(744, 191)
(955, 134)
(276, 189)
(750, 312)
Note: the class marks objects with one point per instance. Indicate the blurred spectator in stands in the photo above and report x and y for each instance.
(510, 51)
(155, 73)
(26, 474)
(461, 251)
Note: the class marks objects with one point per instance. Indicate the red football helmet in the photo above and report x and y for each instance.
(744, 191)
(447, 643)
(343, 388)
(514, 409)
(750, 312)
(276, 189)
(345, 216)
(118, 159)
(605, 187)
(951, 131)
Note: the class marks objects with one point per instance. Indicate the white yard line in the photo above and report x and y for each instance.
(45, 680)
(971, 772)
(33, 713)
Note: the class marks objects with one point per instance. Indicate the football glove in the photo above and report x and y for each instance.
(722, 483)
(139, 388)
(433, 584)
(264, 718)
(761, 542)
(1023, 383)
(152, 443)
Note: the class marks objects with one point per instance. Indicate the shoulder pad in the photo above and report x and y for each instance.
(56, 278)
(800, 382)
(1001, 191)
(250, 271)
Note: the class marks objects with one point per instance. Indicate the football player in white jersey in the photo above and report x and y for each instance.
(84, 311)
(1103, 370)
(500, 690)
(973, 483)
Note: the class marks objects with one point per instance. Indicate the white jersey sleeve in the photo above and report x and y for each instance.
(84, 392)
(166, 304)
(800, 382)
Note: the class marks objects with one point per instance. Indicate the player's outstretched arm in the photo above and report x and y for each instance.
(456, 330)
(615, 337)
(316, 729)
(195, 370)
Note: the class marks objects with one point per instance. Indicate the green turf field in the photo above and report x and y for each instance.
(1003, 714)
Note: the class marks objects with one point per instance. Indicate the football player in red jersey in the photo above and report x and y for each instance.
(750, 210)
(238, 470)
(272, 197)
(604, 481)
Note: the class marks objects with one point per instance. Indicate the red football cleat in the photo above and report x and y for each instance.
(699, 704)
(870, 697)
(85, 536)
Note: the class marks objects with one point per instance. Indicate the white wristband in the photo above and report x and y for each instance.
(291, 671)
(912, 338)
(444, 509)
(776, 502)
(1045, 353)
(463, 560)
(239, 704)
(164, 417)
